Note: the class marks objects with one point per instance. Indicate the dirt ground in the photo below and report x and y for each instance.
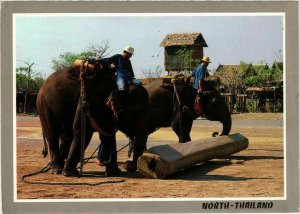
(261, 173)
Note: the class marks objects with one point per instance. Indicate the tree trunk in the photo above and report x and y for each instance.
(163, 161)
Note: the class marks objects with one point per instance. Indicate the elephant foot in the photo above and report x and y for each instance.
(113, 172)
(56, 169)
(130, 166)
(99, 162)
(70, 173)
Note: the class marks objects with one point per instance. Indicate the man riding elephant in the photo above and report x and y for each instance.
(122, 64)
(125, 78)
(199, 74)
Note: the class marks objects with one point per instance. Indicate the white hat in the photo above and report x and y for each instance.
(206, 59)
(129, 49)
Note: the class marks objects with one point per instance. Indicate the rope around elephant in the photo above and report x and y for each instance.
(47, 168)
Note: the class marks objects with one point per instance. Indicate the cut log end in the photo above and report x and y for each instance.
(151, 166)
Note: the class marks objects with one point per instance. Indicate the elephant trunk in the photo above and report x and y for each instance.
(226, 124)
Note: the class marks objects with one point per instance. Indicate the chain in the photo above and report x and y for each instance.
(83, 133)
(47, 168)
(180, 112)
(82, 147)
(82, 116)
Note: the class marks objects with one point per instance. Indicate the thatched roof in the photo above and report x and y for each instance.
(229, 68)
(178, 39)
(237, 68)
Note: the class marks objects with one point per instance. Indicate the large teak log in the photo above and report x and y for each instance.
(163, 161)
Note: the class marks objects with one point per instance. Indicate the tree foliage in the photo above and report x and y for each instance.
(30, 80)
(237, 78)
(30, 83)
(66, 59)
(187, 61)
(261, 75)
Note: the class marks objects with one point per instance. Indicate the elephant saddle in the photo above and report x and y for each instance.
(89, 68)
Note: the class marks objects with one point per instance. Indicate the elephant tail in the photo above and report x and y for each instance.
(45, 149)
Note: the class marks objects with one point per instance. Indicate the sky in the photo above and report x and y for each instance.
(231, 39)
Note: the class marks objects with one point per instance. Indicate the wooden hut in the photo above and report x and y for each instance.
(178, 43)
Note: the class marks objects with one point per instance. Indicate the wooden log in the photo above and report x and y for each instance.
(163, 161)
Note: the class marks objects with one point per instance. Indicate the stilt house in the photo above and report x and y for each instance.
(182, 51)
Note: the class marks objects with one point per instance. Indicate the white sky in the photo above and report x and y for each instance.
(231, 38)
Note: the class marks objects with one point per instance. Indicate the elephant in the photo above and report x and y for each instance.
(61, 101)
(131, 111)
(165, 110)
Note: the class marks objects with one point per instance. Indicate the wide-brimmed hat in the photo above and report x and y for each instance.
(206, 59)
(129, 49)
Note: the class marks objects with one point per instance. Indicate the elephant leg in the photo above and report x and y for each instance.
(75, 152)
(139, 143)
(57, 162)
(109, 155)
(182, 130)
(51, 132)
(65, 143)
(138, 149)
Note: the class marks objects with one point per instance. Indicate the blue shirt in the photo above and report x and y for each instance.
(199, 74)
(124, 68)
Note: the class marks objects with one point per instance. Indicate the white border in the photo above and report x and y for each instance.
(150, 15)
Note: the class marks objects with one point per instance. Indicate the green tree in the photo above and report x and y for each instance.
(237, 78)
(187, 62)
(261, 75)
(67, 59)
(27, 79)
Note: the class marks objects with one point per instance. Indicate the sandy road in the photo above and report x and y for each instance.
(261, 174)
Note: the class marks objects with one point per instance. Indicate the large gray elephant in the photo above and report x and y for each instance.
(60, 111)
(165, 110)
